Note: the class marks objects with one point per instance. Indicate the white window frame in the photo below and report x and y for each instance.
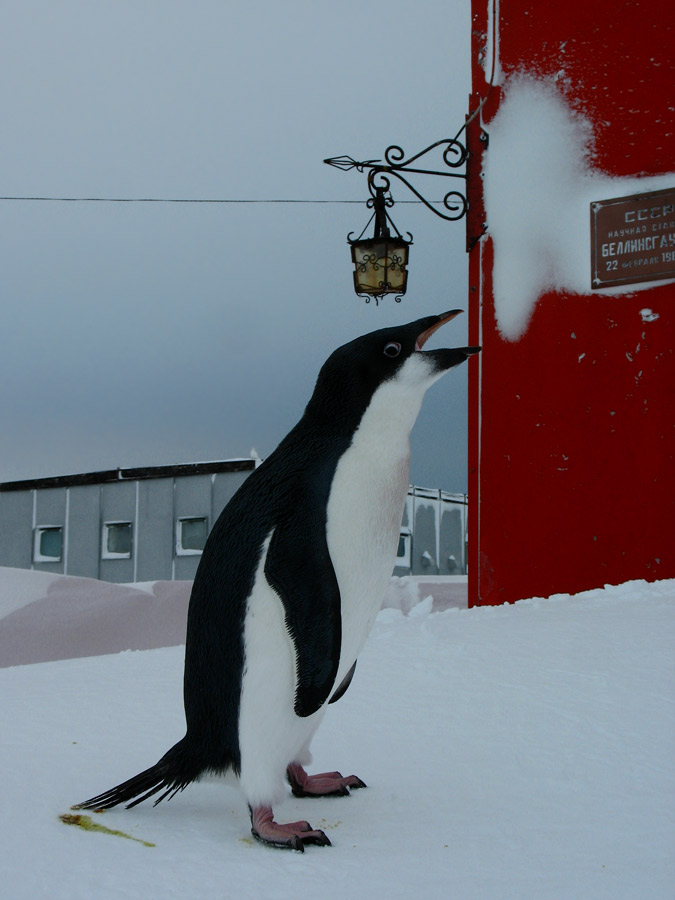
(184, 551)
(108, 554)
(37, 533)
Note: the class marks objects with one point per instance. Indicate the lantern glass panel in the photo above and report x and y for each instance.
(380, 266)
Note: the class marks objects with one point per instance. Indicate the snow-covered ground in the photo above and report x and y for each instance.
(510, 752)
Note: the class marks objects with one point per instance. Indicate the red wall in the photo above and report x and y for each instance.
(571, 472)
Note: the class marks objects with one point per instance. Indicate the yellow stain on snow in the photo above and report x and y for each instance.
(86, 823)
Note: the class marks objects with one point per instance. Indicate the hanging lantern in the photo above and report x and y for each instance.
(380, 262)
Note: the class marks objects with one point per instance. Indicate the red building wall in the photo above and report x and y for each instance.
(571, 472)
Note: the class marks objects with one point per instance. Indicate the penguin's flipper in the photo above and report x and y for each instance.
(344, 684)
(299, 568)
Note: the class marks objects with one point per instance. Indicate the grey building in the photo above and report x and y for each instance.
(433, 533)
(150, 524)
(121, 525)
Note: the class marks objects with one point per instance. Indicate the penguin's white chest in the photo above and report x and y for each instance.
(364, 513)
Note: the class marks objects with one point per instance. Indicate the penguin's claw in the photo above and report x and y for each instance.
(326, 784)
(291, 836)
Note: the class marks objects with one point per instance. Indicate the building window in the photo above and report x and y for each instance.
(116, 542)
(191, 534)
(403, 552)
(48, 545)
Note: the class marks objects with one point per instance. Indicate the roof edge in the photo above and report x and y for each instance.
(139, 473)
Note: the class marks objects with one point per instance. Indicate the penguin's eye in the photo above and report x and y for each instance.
(392, 349)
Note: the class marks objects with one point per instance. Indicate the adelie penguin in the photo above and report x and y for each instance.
(291, 580)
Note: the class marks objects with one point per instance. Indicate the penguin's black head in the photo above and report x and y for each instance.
(381, 355)
(392, 358)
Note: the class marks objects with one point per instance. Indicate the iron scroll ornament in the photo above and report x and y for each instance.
(454, 156)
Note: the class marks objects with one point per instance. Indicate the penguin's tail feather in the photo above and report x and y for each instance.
(174, 771)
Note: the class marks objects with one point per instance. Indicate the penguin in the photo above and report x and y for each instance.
(290, 581)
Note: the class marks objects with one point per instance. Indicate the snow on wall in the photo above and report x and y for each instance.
(490, 58)
(539, 183)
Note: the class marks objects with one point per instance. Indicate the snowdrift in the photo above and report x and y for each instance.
(45, 617)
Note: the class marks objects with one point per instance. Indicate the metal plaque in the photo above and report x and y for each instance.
(633, 239)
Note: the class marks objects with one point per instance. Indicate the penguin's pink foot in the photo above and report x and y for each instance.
(327, 784)
(292, 836)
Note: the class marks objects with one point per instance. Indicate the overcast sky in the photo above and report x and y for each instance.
(157, 333)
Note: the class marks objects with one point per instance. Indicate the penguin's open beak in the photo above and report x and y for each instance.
(440, 321)
(436, 323)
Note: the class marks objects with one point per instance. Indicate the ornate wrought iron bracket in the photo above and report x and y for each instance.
(454, 156)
